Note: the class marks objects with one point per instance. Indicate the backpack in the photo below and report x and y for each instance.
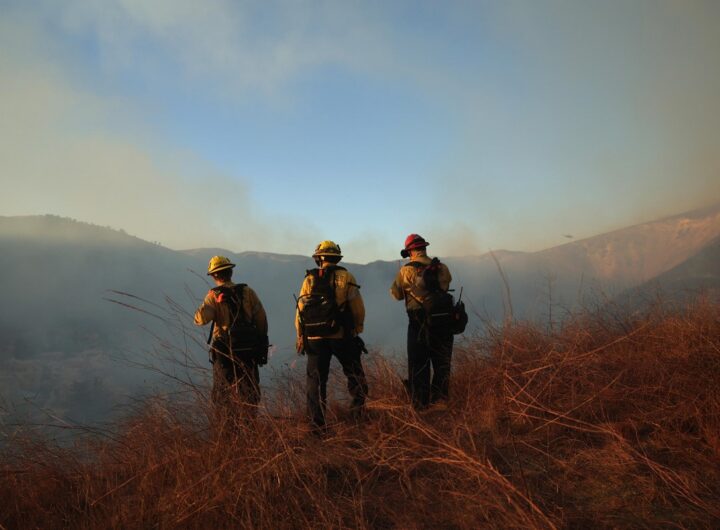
(242, 338)
(440, 312)
(320, 315)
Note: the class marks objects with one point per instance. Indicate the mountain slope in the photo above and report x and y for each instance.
(643, 251)
(698, 274)
(702, 271)
(562, 277)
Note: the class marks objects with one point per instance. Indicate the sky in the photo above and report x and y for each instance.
(271, 126)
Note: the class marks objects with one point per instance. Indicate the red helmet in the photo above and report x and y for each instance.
(413, 242)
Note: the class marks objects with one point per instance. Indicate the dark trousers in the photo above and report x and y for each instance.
(319, 354)
(236, 374)
(425, 351)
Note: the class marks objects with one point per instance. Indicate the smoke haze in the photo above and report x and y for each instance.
(480, 126)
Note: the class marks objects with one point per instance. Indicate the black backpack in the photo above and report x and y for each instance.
(320, 315)
(440, 312)
(242, 339)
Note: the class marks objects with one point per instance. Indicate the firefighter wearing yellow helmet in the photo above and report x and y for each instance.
(329, 319)
(239, 336)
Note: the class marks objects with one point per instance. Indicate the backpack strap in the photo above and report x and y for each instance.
(425, 270)
(223, 290)
(316, 271)
(419, 268)
(316, 274)
(231, 296)
(418, 265)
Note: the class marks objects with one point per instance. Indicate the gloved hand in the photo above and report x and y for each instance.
(300, 345)
(360, 344)
(262, 357)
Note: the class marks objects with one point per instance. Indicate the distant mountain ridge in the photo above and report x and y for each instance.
(559, 278)
(54, 228)
(203, 252)
(56, 274)
(643, 251)
(640, 251)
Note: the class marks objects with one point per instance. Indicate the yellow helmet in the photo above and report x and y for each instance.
(327, 248)
(219, 263)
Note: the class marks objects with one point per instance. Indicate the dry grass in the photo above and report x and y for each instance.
(607, 422)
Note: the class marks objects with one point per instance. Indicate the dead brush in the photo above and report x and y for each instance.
(628, 408)
(602, 422)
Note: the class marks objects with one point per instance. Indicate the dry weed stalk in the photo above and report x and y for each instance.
(603, 422)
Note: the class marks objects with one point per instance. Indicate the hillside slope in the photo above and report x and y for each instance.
(641, 252)
(607, 423)
(702, 271)
(699, 274)
(557, 279)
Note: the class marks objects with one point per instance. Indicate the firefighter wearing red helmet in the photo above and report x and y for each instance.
(429, 348)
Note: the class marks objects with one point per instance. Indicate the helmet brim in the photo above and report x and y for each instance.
(221, 268)
(417, 247)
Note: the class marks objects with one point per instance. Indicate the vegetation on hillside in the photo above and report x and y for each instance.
(606, 422)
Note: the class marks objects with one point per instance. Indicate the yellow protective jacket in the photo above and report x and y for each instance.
(407, 287)
(210, 310)
(346, 290)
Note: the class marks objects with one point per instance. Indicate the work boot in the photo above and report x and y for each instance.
(319, 431)
(439, 404)
(358, 413)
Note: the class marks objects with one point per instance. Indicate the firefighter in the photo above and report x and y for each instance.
(329, 319)
(239, 341)
(428, 349)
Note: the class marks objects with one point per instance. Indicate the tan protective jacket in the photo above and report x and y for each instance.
(210, 310)
(346, 290)
(407, 286)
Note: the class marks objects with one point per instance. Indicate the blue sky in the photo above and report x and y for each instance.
(273, 125)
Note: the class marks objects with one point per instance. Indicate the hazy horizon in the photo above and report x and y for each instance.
(389, 258)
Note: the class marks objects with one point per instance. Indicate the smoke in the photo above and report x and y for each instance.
(606, 115)
(559, 117)
(67, 151)
(226, 48)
